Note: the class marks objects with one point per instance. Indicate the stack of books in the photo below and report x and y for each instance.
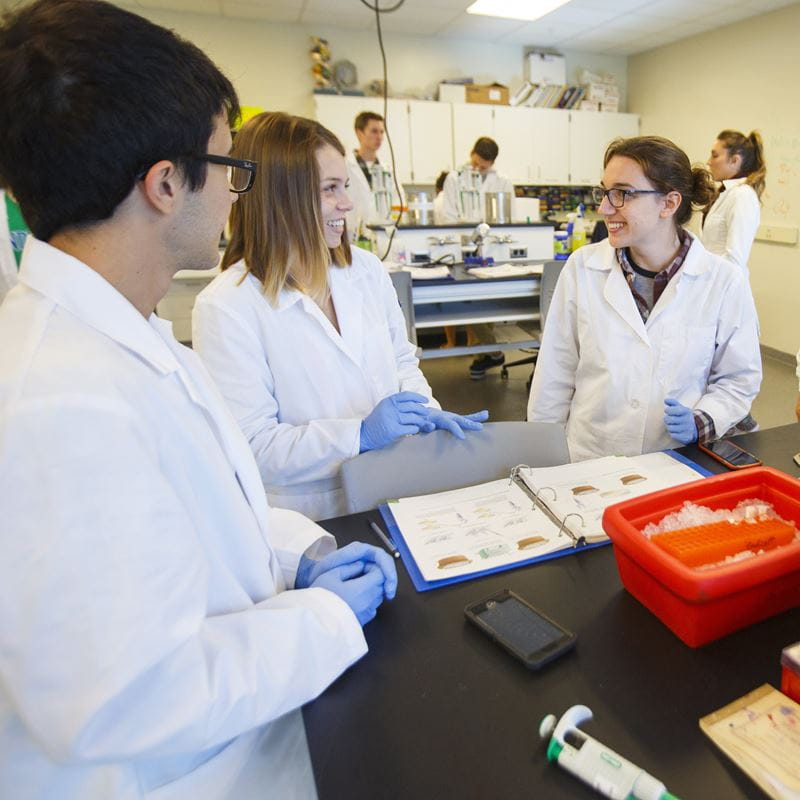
(546, 95)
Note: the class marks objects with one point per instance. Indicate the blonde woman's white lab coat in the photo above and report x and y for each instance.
(297, 387)
(147, 646)
(604, 373)
(731, 223)
(8, 263)
(452, 209)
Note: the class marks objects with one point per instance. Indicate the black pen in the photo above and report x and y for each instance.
(385, 539)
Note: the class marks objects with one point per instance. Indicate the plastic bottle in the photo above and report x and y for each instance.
(578, 230)
(560, 245)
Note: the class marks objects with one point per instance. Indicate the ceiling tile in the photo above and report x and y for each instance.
(541, 33)
(475, 26)
(417, 21)
(679, 10)
(242, 9)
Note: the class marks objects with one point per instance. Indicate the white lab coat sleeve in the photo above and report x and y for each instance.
(743, 216)
(409, 375)
(285, 454)
(735, 375)
(293, 535)
(553, 383)
(450, 211)
(109, 653)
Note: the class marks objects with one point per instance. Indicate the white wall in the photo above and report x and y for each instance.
(270, 65)
(741, 76)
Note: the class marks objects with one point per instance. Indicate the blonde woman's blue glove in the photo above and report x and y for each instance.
(455, 423)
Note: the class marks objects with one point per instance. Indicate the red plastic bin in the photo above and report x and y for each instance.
(700, 606)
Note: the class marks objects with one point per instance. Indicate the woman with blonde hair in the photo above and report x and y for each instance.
(650, 341)
(730, 222)
(304, 336)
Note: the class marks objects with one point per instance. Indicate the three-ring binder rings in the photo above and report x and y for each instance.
(533, 515)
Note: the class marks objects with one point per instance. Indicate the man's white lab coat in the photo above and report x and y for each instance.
(298, 388)
(452, 210)
(147, 646)
(604, 372)
(8, 263)
(731, 223)
(363, 211)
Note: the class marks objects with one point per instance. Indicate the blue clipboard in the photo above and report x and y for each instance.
(422, 585)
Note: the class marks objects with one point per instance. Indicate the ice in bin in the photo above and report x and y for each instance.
(700, 606)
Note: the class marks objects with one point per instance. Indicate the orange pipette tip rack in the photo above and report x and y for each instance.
(708, 544)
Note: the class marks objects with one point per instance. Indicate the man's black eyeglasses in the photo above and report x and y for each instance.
(241, 172)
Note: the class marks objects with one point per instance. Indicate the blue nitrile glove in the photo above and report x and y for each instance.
(356, 552)
(679, 421)
(455, 423)
(359, 585)
(397, 415)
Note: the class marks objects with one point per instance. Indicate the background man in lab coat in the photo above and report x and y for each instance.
(482, 157)
(148, 645)
(370, 131)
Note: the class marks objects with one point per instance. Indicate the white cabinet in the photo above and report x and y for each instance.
(539, 146)
(550, 165)
(515, 133)
(470, 122)
(432, 143)
(590, 133)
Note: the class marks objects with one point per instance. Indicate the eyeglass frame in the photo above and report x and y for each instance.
(239, 163)
(606, 194)
(225, 161)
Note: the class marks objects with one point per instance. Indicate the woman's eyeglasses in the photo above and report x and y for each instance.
(617, 196)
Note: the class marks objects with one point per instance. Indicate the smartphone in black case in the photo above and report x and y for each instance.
(519, 628)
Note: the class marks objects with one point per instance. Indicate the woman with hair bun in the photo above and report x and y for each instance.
(731, 220)
(651, 341)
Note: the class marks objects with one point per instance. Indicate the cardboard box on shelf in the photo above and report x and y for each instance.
(596, 92)
(452, 93)
(610, 105)
(493, 93)
(588, 105)
(547, 68)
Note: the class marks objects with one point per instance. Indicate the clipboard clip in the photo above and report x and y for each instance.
(577, 541)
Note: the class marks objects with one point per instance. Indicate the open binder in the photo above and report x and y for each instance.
(534, 515)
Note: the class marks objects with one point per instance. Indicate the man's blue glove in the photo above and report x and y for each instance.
(455, 423)
(679, 421)
(359, 585)
(357, 552)
(397, 415)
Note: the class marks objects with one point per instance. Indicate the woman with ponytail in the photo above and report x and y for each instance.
(651, 341)
(731, 220)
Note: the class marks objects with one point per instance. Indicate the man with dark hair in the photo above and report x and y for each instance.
(148, 648)
(481, 158)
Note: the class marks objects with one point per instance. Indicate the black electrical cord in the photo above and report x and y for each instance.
(378, 11)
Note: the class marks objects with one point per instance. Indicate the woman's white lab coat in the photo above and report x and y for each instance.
(147, 646)
(299, 389)
(8, 263)
(604, 372)
(731, 223)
